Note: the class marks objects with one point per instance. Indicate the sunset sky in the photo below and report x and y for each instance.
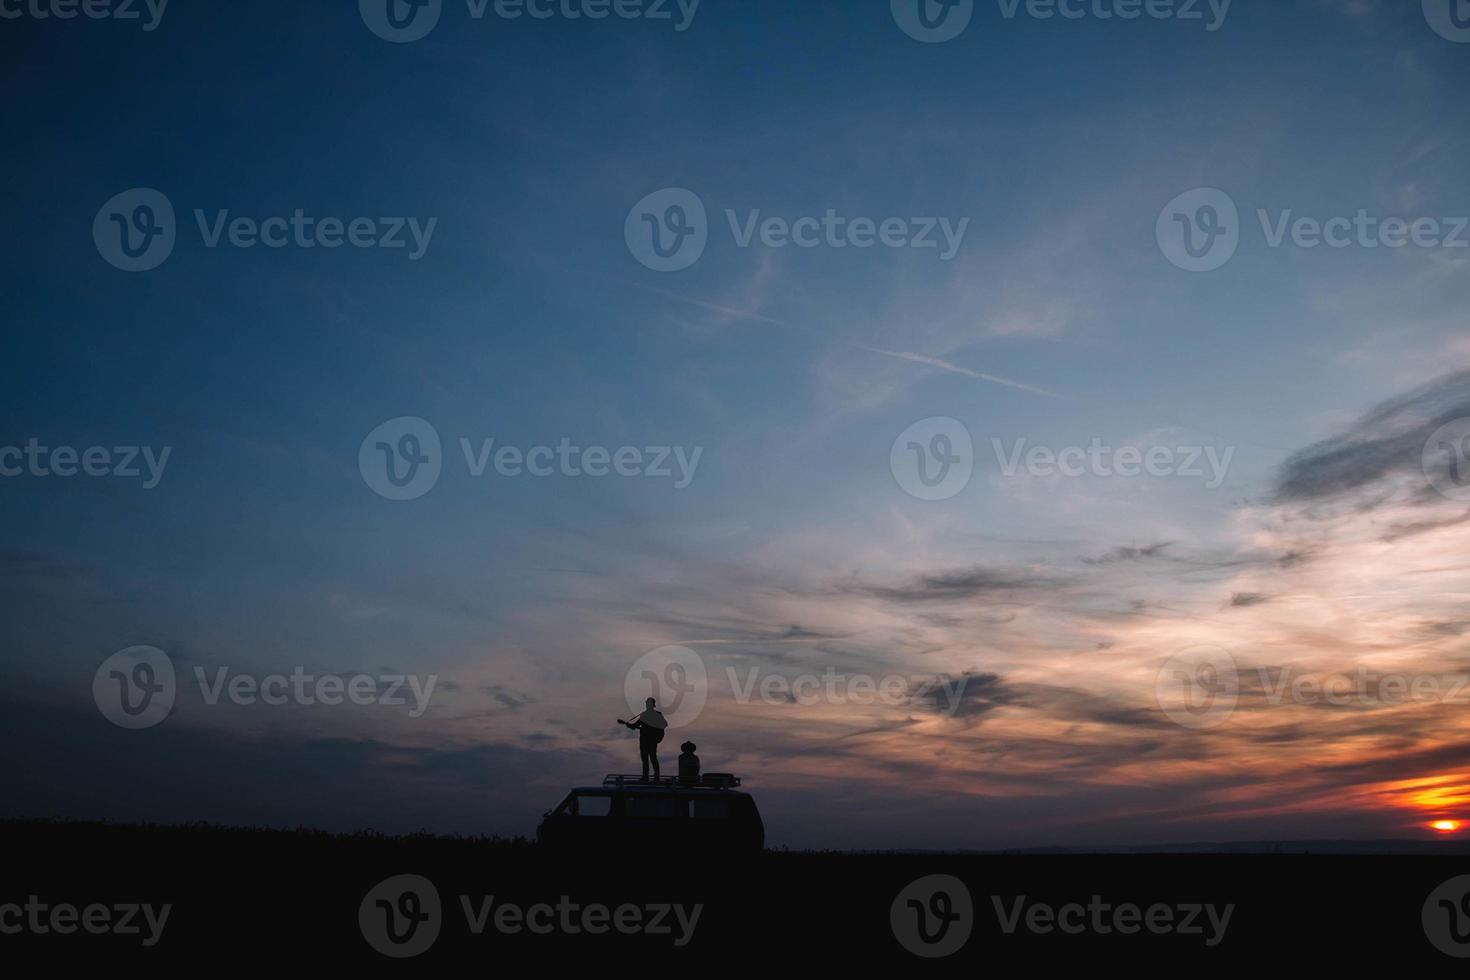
(1053, 604)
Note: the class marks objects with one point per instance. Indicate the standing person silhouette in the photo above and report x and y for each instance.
(650, 727)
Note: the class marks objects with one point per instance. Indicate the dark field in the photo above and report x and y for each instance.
(275, 898)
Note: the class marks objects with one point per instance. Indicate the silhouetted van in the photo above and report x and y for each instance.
(626, 812)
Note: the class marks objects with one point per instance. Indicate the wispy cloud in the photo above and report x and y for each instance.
(942, 365)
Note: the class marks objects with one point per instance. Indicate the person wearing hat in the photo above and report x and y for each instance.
(688, 764)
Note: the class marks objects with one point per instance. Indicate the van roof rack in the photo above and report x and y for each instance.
(710, 780)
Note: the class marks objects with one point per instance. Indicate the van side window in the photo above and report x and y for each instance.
(653, 807)
(711, 808)
(592, 806)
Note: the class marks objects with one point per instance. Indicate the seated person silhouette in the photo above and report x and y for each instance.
(650, 727)
(688, 764)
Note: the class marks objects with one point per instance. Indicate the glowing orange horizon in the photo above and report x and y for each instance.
(1446, 826)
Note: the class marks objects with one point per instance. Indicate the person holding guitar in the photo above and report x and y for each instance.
(650, 727)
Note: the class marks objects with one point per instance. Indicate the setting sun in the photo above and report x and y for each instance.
(1446, 826)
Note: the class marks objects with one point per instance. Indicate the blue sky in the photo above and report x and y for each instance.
(529, 320)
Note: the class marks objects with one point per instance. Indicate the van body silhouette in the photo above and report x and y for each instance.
(627, 812)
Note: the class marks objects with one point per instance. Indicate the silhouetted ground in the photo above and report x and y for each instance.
(293, 899)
